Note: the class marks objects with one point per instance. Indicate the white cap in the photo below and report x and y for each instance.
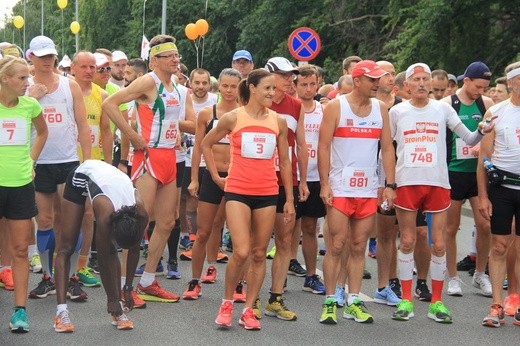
(118, 55)
(280, 64)
(65, 62)
(416, 68)
(101, 60)
(42, 45)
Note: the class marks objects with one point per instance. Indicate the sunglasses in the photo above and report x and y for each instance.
(103, 69)
(170, 56)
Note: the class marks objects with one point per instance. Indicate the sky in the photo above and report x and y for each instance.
(6, 7)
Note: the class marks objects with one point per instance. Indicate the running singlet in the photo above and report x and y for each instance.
(253, 142)
(107, 180)
(507, 138)
(353, 163)
(289, 107)
(93, 105)
(312, 123)
(460, 158)
(15, 136)
(188, 137)
(58, 110)
(420, 134)
(158, 122)
(213, 124)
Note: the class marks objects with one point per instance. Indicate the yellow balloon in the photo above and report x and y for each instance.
(191, 31)
(18, 22)
(74, 27)
(62, 4)
(202, 27)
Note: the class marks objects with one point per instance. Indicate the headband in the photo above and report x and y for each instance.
(163, 47)
(11, 51)
(513, 73)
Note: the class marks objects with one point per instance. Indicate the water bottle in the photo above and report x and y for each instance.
(491, 171)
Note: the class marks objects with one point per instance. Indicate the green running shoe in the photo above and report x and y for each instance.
(404, 311)
(87, 279)
(19, 322)
(439, 313)
(270, 254)
(328, 314)
(357, 312)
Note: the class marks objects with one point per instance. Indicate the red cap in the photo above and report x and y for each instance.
(368, 68)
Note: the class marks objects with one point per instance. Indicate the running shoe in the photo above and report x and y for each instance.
(340, 296)
(222, 257)
(122, 322)
(6, 279)
(62, 322)
(516, 319)
(74, 291)
(248, 320)
(482, 281)
(295, 268)
(187, 254)
(211, 275)
(395, 285)
(366, 274)
(257, 309)
(193, 290)
(358, 312)
(439, 313)
(404, 311)
(225, 314)
(322, 251)
(279, 309)
(328, 313)
(422, 291)
(145, 252)
(495, 318)
(271, 253)
(511, 304)
(372, 243)
(156, 293)
(138, 302)
(387, 297)
(172, 270)
(184, 242)
(87, 279)
(158, 271)
(35, 264)
(454, 287)
(313, 284)
(19, 322)
(93, 264)
(239, 296)
(466, 264)
(44, 288)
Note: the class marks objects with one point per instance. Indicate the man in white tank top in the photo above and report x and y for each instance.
(351, 129)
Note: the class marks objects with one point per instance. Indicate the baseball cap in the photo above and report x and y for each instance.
(65, 61)
(416, 68)
(101, 60)
(42, 45)
(367, 68)
(280, 64)
(452, 78)
(118, 55)
(477, 70)
(242, 54)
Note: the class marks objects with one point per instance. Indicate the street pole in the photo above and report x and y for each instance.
(77, 35)
(42, 17)
(24, 1)
(163, 25)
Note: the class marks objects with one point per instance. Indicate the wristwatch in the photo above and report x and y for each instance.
(393, 186)
(123, 162)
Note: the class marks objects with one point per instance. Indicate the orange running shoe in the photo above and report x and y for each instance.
(222, 257)
(211, 275)
(193, 290)
(239, 296)
(6, 279)
(249, 321)
(186, 255)
(225, 314)
(62, 322)
(122, 322)
(495, 318)
(138, 302)
(511, 304)
(156, 293)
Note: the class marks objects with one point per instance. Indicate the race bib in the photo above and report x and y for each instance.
(277, 159)
(13, 131)
(258, 145)
(356, 179)
(420, 155)
(224, 140)
(512, 137)
(169, 132)
(55, 115)
(463, 150)
(94, 135)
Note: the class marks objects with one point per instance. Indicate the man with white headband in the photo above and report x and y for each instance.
(421, 175)
(499, 193)
(164, 109)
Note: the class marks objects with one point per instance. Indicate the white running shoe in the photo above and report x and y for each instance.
(482, 281)
(455, 287)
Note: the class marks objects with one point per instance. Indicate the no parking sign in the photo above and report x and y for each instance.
(304, 44)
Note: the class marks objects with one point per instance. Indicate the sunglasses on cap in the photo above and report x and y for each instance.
(103, 69)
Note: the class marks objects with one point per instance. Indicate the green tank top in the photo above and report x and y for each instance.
(460, 158)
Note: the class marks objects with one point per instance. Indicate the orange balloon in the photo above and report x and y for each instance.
(202, 27)
(191, 31)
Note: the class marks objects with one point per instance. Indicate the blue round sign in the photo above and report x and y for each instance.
(304, 44)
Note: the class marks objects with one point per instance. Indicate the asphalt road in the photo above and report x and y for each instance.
(192, 322)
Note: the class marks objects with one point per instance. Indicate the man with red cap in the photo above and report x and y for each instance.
(352, 127)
